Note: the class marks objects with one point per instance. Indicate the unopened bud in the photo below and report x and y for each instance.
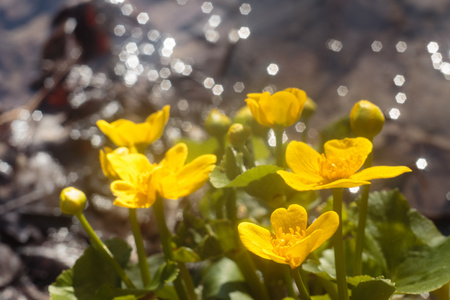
(244, 116)
(238, 134)
(72, 201)
(216, 123)
(309, 109)
(366, 119)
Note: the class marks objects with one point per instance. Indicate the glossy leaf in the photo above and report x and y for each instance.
(91, 271)
(222, 278)
(185, 254)
(416, 253)
(372, 289)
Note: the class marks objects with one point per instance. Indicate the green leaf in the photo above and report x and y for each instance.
(320, 297)
(166, 273)
(237, 295)
(416, 254)
(372, 289)
(62, 288)
(253, 174)
(222, 278)
(185, 255)
(91, 271)
(218, 178)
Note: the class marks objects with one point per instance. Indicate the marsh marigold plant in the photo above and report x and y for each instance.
(293, 241)
(125, 133)
(336, 168)
(142, 181)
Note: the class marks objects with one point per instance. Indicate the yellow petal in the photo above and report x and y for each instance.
(341, 183)
(175, 157)
(110, 131)
(128, 167)
(257, 112)
(380, 172)
(301, 250)
(125, 193)
(157, 122)
(280, 109)
(194, 175)
(289, 218)
(163, 182)
(255, 238)
(355, 150)
(304, 161)
(276, 258)
(297, 182)
(327, 222)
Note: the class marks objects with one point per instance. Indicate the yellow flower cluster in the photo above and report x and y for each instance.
(138, 182)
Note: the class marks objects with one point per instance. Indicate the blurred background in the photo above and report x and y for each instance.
(66, 64)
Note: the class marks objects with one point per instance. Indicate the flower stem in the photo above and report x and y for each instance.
(279, 153)
(104, 251)
(166, 241)
(143, 265)
(363, 204)
(248, 269)
(339, 258)
(304, 295)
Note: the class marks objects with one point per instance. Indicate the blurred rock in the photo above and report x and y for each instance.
(10, 265)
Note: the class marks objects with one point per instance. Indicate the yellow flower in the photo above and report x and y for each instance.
(337, 168)
(141, 181)
(292, 241)
(281, 109)
(125, 133)
(107, 168)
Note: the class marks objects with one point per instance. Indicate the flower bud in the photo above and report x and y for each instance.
(366, 119)
(72, 201)
(245, 117)
(309, 109)
(216, 123)
(238, 134)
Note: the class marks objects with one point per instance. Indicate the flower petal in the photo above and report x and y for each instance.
(327, 222)
(290, 218)
(282, 108)
(301, 250)
(127, 195)
(194, 175)
(175, 157)
(255, 108)
(304, 161)
(297, 182)
(255, 238)
(341, 183)
(276, 258)
(110, 131)
(380, 172)
(130, 166)
(354, 150)
(157, 122)
(163, 182)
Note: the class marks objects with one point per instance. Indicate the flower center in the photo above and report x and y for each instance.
(142, 182)
(335, 168)
(284, 241)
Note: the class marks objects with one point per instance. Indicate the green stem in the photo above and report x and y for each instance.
(143, 264)
(329, 286)
(104, 251)
(279, 153)
(248, 269)
(231, 205)
(166, 241)
(339, 258)
(304, 295)
(363, 204)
